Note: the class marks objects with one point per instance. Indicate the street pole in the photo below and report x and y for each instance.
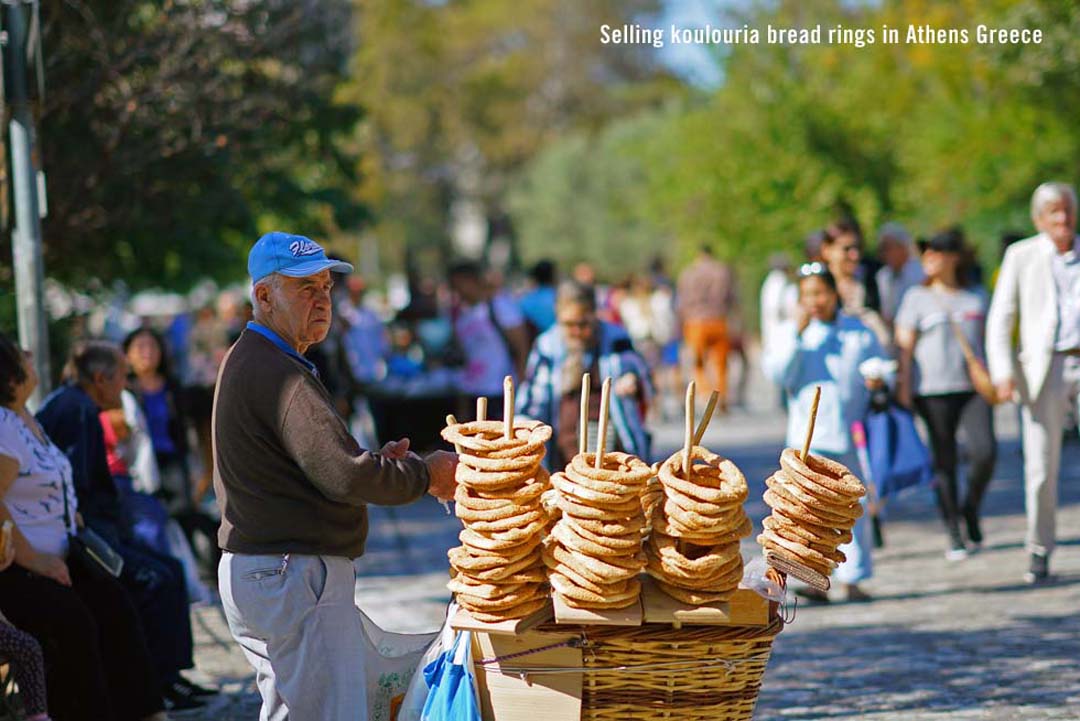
(26, 236)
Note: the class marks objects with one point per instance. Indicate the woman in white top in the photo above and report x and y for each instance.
(97, 664)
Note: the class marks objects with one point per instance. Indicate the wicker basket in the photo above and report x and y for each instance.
(695, 673)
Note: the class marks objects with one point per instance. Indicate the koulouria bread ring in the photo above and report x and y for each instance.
(499, 572)
(594, 553)
(693, 551)
(815, 503)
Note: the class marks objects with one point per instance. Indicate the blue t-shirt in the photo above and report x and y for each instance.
(156, 407)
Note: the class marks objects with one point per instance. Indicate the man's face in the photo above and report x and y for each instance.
(301, 307)
(1058, 220)
(578, 323)
(893, 253)
(109, 386)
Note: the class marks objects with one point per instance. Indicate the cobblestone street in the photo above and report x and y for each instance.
(940, 641)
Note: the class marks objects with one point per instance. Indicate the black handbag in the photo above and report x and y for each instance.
(86, 545)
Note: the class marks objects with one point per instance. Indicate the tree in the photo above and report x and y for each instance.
(174, 132)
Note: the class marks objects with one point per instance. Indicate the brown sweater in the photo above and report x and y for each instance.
(288, 476)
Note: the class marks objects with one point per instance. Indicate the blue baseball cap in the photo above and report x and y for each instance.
(291, 255)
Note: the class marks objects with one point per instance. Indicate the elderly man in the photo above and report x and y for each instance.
(1039, 289)
(901, 270)
(293, 487)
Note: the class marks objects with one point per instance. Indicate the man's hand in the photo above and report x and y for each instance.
(1006, 390)
(441, 467)
(396, 449)
(626, 385)
(49, 566)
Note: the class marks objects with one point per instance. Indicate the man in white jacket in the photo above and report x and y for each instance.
(1038, 290)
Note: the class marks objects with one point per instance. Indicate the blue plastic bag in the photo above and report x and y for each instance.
(898, 457)
(452, 694)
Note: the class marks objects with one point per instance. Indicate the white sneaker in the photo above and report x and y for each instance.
(956, 554)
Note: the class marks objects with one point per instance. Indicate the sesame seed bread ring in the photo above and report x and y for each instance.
(697, 559)
(522, 520)
(587, 599)
(489, 591)
(824, 471)
(694, 598)
(502, 571)
(573, 541)
(694, 505)
(584, 509)
(527, 592)
(619, 468)
(473, 561)
(722, 518)
(604, 571)
(522, 610)
(522, 494)
(486, 438)
(485, 544)
(718, 582)
(487, 463)
(789, 533)
(813, 487)
(517, 534)
(622, 528)
(807, 555)
(501, 512)
(800, 495)
(776, 499)
(629, 543)
(815, 535)
(587, 496)
(492, 480)
(732, 490)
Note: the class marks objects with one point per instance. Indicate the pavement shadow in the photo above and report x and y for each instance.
(856, 671)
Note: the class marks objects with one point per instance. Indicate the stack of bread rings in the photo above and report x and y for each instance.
(815, 503)
(594, 553)
(497, 571)
(693, 551)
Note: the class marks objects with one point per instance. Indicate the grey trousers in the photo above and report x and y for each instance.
(1043, 422)
(296, 620)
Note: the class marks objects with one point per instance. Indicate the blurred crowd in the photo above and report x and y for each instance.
(117, 461)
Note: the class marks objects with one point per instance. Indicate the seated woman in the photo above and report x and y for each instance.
(25, 655)
(96, 659)
(580, 343)
(824, 347)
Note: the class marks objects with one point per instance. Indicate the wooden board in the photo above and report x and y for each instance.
(798, 570)
(746, 608)
(516, 695)
(629, 616)
(463, 621)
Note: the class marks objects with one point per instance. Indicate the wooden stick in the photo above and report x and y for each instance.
(583, 420)
(601, 432)
(481, 408)
(508, 408)
(688, 446)
(450, 420)
(710, 407)
(810, 425)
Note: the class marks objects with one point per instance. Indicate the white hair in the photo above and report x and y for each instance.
(1051, 193)
(273, 281)
(895, 232)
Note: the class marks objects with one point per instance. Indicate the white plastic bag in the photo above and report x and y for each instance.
(395, 659)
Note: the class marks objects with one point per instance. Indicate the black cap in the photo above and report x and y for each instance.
(949, 241)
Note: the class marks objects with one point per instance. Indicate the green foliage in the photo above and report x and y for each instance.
(173, 133)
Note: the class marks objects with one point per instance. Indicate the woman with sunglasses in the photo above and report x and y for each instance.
(823, 346)
(841, 250)
(934, 379)
(580, 343)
